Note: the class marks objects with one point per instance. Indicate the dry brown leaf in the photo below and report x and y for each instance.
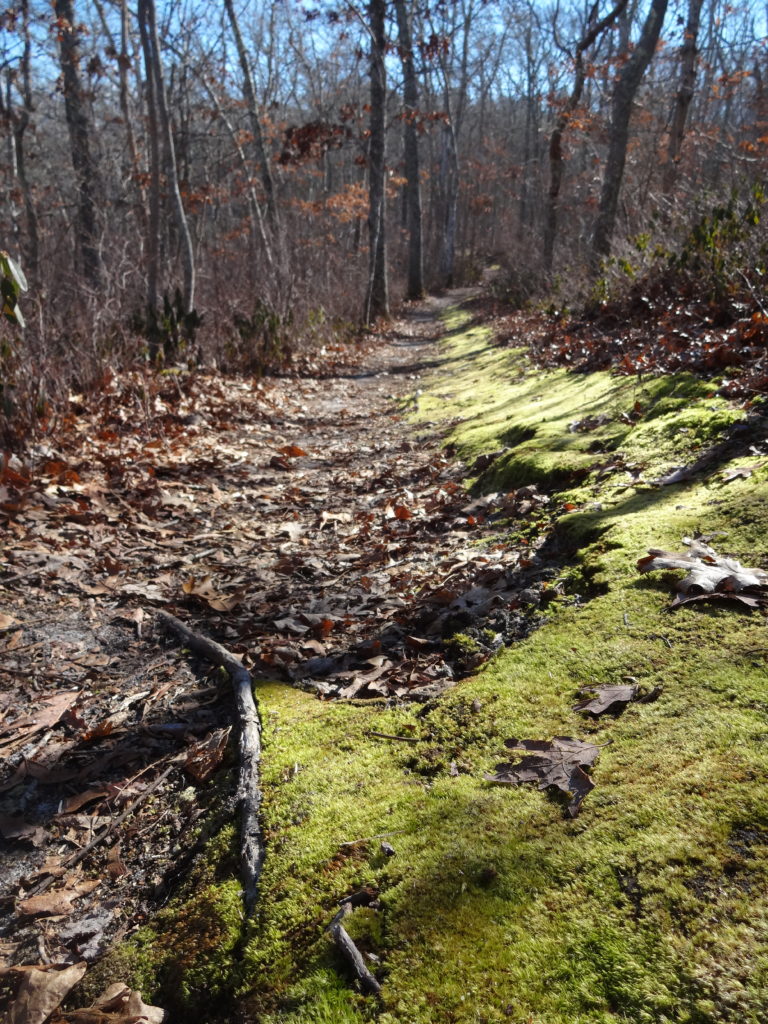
(115, 866)
(740, 472)
(18, 828)
(118, 1004)
(708, 574)
(48, 713)
(559, 763)
(204, 758)
(74, 803)
(205, 589)
(59, 902)
(41, 990)
(605, 698)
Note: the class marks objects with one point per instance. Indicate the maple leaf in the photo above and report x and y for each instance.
(708, 575)
(559, 763)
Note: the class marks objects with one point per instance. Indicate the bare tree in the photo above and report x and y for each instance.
(592, 32)
(18, 117)
(377, 292)
(624, 91)
(253, 116)
(161, 134)
(685, 91)
(80, 140)
(411, 153)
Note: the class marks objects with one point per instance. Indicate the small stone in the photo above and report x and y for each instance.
(387, 850)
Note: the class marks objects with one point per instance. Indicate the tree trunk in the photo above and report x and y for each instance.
(624, 91)
(253, 114)
(80, 132)
(377, 295)
(411, 153)
(685, 90)
(449, 182)
(151, 44)
(593, 31)
(153, 222)
(19, 120)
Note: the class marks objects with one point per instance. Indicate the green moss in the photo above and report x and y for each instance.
(461, 644)
(543, 417)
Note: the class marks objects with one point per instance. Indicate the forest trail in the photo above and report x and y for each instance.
(321, 532)
(301, 521)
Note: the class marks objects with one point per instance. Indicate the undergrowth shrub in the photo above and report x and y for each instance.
(720, 258)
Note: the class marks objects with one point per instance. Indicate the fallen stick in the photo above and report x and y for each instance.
(248, 793)
(350, 952)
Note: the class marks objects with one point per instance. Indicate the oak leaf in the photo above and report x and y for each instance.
(709, 575)
(558, 763)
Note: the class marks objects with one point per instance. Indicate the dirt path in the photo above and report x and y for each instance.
(300, 521)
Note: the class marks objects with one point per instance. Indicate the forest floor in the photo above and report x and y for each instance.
(420, 547)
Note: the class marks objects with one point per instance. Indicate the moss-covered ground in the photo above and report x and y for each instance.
(652, 905)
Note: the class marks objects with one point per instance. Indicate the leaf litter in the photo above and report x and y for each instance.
(297, 521)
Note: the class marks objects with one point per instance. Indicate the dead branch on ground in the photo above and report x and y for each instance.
(349, 950)
(248, 793)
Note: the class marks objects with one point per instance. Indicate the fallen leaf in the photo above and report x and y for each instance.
(676, 476)
(740, 472)
(74, 803)
(606, 698)
(53, 904)
(708, 575)
(49, 711)
(205, 590)
(115, 866)
(18, 828)
(559, 762)
(122, 1004)
(41, 989)
(291, 530)
(149, 591)
(204, 758)
(292, 450)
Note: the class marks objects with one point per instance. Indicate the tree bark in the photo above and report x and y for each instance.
(153, 221)
(80, 141)
(592, 32)
(151, 43)
(377, 295)
(624, 91)
(411, 153)
(19, 120)
(249, 93)
(685, 91)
